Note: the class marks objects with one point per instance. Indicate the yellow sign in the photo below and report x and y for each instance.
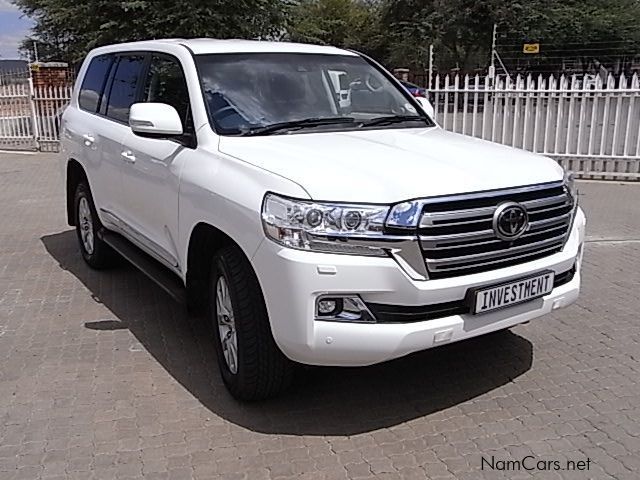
(531, 48)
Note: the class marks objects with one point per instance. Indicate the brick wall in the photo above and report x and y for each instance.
(51, 75)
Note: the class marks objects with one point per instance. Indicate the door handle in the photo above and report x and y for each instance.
(88, 139)
(128, 156)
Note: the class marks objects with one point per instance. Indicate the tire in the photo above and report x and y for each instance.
(95, 252)
(259, 370)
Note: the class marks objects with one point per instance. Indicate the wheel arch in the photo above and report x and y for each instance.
(205, 240)
(75, 174)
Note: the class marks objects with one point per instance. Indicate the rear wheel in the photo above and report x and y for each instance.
(94, 251)
(251, 364)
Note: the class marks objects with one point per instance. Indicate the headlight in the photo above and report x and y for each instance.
(323, 227)
(405, 215)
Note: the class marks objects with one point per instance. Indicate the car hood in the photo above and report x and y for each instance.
(391, 165)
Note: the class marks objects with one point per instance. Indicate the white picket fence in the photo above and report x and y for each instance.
(591, 127)
(30, 116)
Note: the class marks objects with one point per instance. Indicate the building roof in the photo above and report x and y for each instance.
(13, 65)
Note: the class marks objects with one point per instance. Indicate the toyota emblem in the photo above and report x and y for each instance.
(510, 221)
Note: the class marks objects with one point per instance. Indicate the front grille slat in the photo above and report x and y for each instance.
(457, 237)
(475, 220)
(429, 219)
(492, 241)
(458, 240)
(498, 253)
(545, 222)
(500, 260)
(543, 202)
(550, 209)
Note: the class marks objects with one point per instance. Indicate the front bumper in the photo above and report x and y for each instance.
(292, 280)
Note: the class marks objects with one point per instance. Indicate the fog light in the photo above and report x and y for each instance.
(343, 309)
(327, 306)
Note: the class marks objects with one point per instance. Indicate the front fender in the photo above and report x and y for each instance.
(226, 193)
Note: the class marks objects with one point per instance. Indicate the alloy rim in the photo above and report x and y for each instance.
(86, 225)
(226, 325)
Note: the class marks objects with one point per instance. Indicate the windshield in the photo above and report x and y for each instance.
(246, 92)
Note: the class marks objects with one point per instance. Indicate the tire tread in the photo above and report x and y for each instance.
(265, 370)
(103, 256)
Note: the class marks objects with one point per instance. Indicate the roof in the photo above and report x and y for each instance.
(210, 45)
(13, 65)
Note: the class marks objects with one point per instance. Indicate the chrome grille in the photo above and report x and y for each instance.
(457, 237)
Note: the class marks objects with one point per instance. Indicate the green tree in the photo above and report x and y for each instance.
(67, 30)
(461, 30)
(396, 32)
(592, 31)
(343, 23)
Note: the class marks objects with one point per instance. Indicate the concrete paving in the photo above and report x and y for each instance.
(102, 376)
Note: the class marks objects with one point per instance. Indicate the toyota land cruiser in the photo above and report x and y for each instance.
(315, 221)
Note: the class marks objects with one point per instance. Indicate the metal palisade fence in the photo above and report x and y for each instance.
(590, 125)
(30, 115)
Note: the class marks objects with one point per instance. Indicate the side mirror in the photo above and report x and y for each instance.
(427, 107)
(155, 119)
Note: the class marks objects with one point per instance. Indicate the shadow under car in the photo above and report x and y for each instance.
(323, 400)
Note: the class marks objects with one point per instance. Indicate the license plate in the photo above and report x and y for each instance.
(512, 293)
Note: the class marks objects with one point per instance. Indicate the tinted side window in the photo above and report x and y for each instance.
(166, 84)
(124, 87)
(93, 82)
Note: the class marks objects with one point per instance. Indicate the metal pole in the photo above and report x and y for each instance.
(492, 66)
(34, 116)
(493, 44)
(430, 66)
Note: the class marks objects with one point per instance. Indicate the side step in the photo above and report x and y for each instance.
(153, 269)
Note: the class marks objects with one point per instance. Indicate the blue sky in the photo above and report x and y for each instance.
(13, 29)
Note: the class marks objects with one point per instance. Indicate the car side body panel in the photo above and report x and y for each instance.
(226, 193)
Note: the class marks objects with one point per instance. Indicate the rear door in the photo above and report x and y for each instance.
(151, 179)
(123, 89)
(85, 130)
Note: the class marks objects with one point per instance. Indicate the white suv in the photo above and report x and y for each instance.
(311, 230)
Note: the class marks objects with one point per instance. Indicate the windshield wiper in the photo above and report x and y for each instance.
(298, 124)
(390, 119)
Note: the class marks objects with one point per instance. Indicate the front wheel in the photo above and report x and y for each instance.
(251, 364)
(94, 251)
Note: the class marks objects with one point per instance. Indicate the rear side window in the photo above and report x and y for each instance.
(166, 84)
(93, 82)
(124, 87)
